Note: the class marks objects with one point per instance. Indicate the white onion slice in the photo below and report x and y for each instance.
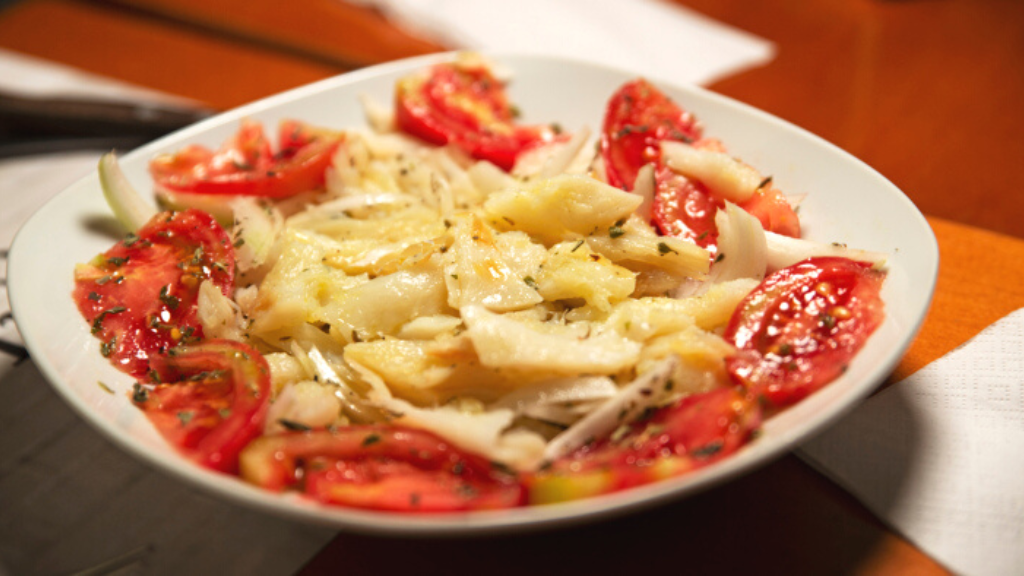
(645, 391)
(722, 174)
(564, 155)
(126, 203)
(558, 391)
(784, 251)
(256, 230)
(348, 203)
(378, 116)
(644, 186)
(742, 249)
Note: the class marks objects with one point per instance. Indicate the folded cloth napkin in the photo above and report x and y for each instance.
(651, 37)
(940, 455)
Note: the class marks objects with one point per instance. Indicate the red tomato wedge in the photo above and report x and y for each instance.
(639, 117)
(696, 431)
(382, 468)
(140, 296)
(463, 104)
(773, 210)
(246, 165)
(210, 401)
(684, 208)
(799, 329)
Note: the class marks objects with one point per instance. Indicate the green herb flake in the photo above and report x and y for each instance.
(828, 321)
(620, 433)
(708, 450)
(117, 260)
(765, 182)
(616, 231)
(720, 257)
(294, 426)
(185, 417)
(531, 282)
(165, 297)
(107, 348)
(502, 468)
(139, 394)
(94, 296)
(98, 322)
(577, 246)
(665, 249)
(370, 440)
(104, 387)
(197, 256)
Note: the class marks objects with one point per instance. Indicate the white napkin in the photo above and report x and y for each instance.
(654, 38)
(940, 455)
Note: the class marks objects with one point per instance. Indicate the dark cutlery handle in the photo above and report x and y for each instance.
(49, 117)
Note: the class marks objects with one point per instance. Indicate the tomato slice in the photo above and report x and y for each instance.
(799, 329)
(382, 468)
(776, 214)
(639, 117)
(140, 296)
(210, 401)
(463, 104)
(685, 209)
(695, 432)
(247, 166)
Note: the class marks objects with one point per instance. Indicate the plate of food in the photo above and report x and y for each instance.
(466, 294)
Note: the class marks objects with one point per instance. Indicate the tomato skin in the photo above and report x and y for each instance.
(247, 166)
(685, 209)
(140, 296)
(773, 210)
(799, 329)
(638, 118)
(210, 401)
(380, 467)
(465, 105)
(695, 432)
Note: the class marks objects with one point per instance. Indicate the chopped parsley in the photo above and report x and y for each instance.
(294, 426)
(165, 297)
(139, 394)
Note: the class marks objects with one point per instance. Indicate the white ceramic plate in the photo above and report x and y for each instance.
(846, 202)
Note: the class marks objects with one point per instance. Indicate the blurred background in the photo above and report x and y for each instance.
(926, 91)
